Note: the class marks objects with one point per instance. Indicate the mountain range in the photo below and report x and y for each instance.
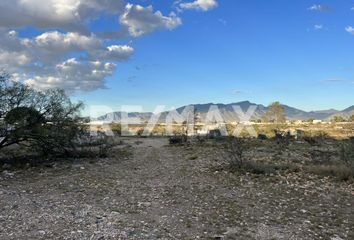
(229, 115)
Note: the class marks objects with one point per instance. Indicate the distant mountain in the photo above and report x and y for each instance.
(229, 115)
(133, 116)
(345, 113)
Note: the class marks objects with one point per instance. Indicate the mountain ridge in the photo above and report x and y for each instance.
(229, 115)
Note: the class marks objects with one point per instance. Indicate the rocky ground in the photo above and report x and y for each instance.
(150, 190)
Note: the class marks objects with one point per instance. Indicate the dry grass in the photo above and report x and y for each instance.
(340, 172)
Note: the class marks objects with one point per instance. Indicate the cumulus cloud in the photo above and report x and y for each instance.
(44, 61)
(74, 75)
(203, 5)
(71, 56)
(137, 20)
(66, 53)
(350, 29)
(115, 53)
(70, 15)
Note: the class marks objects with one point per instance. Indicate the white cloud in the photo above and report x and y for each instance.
(46, 60)
(319, 8)
(73, 75)
(140, 20)
(204, 5)
(116, 53)
(70, 15)
(318, 27)
(350, 29)
(13, 59)
(70, 55)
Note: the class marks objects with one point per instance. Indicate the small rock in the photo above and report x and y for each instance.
(6, 166)
(8, 174)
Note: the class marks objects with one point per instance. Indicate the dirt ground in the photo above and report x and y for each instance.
(170, 192)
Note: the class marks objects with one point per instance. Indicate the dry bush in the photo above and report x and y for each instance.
(310, 140)
(341, 172)
(200, 139)
(347, 153)
(116, 129)
(262, 137)
(234, 149)
(282, 140)
(234, 152)
(178, 139)
(321, 156)
(316, 138)
(94, 146)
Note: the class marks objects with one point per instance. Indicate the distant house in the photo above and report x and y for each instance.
(317, 121)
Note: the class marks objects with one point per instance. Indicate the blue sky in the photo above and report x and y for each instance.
(260, 51)
(297, 52)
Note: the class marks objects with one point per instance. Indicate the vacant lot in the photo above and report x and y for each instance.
(150, 190)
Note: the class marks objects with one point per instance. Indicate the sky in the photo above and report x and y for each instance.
(174, 53)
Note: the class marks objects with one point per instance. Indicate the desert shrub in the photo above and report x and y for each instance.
(234, 149)
(262, 137)
(347, 153)
(93, 146)
(310, 140)
(316, 138)
(178, 139)
(259, 168)
(282, 138)
(319, 156)
(341, 172)
(214, 134)
(140, 132)
(200, 139)
(116, 129)
(337, 119)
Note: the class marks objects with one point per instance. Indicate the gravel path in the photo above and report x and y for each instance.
(163, 192)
